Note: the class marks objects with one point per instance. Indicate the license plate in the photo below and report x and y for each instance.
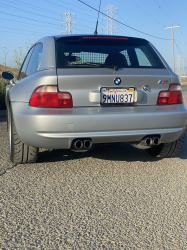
(117, 96)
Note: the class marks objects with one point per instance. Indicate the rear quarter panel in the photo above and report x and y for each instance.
(22, 91)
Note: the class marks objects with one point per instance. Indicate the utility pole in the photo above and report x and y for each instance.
(110, 18)
(68, 23)
(172, 27)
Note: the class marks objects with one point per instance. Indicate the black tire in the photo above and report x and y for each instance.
(167, 150)
(19, 152)
(7, 117)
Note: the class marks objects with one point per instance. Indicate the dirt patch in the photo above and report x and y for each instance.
(184, 81)
(6, 68)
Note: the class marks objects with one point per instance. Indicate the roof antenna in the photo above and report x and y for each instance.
(95, 33)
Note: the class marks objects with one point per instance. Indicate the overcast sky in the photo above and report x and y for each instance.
(21, 20)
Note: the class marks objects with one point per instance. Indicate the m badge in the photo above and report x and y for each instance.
(162, 81)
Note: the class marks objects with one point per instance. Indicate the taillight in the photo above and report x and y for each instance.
(49, 96)
(171, 96)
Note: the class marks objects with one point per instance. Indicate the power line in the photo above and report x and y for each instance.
(90, 3)
(169, 17)
(22, 30)
(66, 7)
(53, 12)
(43, 15)
(35, 19)
(123, 23)
(27, 18)
(120, 28)
(183, 37)
(19, 33)
(34, 13)
(45, 10)
(126, 22)
(49, 2)
(32, 6)
(148, 14)
(42, 25)
(164, 11)
(23, 10)
(71, 5)
(83, 24)
(30, 23)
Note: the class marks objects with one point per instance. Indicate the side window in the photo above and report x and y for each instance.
(22, 72)
(35, 60)
(142, 58)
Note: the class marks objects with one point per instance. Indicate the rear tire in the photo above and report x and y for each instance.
(167, 150)
(7, 117)
(19, 152)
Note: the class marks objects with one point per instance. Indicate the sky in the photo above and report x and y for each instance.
(23, 20)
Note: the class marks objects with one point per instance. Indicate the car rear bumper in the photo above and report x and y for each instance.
(57, 128)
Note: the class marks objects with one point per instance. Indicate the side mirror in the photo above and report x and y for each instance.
(7, 75)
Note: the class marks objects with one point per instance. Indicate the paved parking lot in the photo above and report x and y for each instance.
(114, 197)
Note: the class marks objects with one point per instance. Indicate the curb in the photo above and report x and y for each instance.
(2, 113)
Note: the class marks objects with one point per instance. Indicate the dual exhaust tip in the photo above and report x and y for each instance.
(82, 144)
(87, 144)
(151, 141)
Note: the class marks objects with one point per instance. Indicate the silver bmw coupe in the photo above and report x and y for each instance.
(76, 91)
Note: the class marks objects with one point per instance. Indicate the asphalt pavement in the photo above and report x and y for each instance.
(113, 197)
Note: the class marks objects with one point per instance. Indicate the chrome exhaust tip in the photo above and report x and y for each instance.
(78, 144)
(87, 144)
(156, 141)
(148, 141)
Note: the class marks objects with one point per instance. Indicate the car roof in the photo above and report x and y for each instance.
(79, 35)
(56, 37)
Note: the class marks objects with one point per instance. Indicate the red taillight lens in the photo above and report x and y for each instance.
(49, 96)
(171, 96)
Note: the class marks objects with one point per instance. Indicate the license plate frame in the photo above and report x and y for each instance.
(116, 104)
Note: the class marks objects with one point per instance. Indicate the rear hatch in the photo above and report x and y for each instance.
(105, 70)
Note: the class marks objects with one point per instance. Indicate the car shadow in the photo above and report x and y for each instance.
(112, 152)
(183, 153)
(3, 119)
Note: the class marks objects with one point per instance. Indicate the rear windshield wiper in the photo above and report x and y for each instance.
(115, 67)
(82, 64)
(95, 65)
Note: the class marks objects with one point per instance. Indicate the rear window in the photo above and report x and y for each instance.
(96, 52)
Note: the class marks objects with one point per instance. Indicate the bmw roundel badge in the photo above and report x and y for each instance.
(117, 81)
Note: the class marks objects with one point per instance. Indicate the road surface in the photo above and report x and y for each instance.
(114, 197)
